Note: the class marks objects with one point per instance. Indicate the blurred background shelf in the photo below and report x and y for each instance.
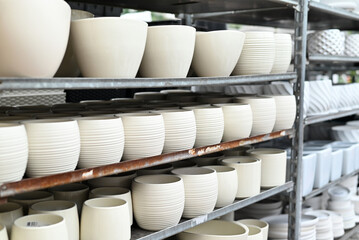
(31, 184)
(350, 233)
(108, 83)
(189, 223)
(331, 116)
(318, 191)
(333, 59)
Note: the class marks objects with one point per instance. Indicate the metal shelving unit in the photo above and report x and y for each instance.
(299, 15)
(318, 191)
(109, 83)
(141, 234)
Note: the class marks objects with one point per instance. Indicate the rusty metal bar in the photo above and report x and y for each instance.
(32, 184)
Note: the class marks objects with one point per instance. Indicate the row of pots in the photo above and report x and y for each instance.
(119, 47)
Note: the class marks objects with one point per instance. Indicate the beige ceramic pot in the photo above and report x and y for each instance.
(248, 174)
(105, 218)
(226, 192)
(33, 43)
(169, 51)
(274, 165)
(9, 212)
(69, 66)
(108, 46)
(158, 201)
(66, 209)
(216, 53)
(258, 223)
(3, 233)
(114, 192)
(215, 230)
(40, 227)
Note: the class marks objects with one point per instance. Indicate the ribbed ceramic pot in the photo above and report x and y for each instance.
(9, 212)
(248, 174)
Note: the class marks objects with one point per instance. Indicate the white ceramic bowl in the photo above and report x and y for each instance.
(216, 53)
(123, 39)
(169, 51)
(40, 227)
(258, 223)
(215, 230)
(25, 38)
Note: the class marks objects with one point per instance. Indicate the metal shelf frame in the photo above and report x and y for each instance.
(111, 83)
(318, 191)
(350, 233)
(141, 234)
(331, 116)
(31, 184)
(332, 59)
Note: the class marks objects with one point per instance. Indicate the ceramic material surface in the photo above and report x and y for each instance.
(109, 46)
(283, 53)
(258, 223)
(26, 37)
(105, 218)
(9, 212)
(29, 198)
(169, 51)
(158, 201)
(216, 53)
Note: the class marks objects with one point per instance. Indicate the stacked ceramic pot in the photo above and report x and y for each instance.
(102, 141)
(324, 227)
(54, 146)
(257, 55)
(13, 152)
(278, 227)
(262, 209)
(340, 203)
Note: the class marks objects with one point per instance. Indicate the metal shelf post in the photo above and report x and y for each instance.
(295, 197)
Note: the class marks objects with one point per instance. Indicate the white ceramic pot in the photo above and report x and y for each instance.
(349, 156)
(69, 66)
(13, 152)
(144, 135)
(180, 130)
(102, 141)
(26, 37)
(226, 192)
(248, 174)
(158, 201)
(337, 164)
(105, 218)
(215, 230)
(9, 212)
(283, 53)
(238, 121)
(258, 223)
(54, 146)
(216, 53)
(29, 198)
(274, 165)
(285, 111)
(257, 55)
(3, 233)
(209, 125)
(324, 164)
(264, 113)
(309, 169)
(255, 233)
(201, 190)
(40, 227)
(114, 192)
(169, 51)
(123, 39)
(65, 209)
